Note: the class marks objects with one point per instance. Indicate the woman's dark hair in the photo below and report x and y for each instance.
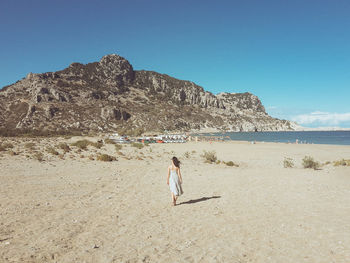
(176, 162)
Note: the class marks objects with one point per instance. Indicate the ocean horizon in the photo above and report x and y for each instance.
(301, 137)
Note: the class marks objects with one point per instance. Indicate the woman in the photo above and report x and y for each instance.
(174, 179)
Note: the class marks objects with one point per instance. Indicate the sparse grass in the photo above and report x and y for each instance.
(39, 156)
(218, 162)
(81, 144)
(106, 158)
(342, 162)
(209, 156)
(288, 163)
(109, 141)
(137, 145)
(187, 154)
(52, 151)
(97, 145)
(230, 163)
(64, 146)
(118, 147)
(30, 146)
(7, 145)
(309, 162)
(326, 163)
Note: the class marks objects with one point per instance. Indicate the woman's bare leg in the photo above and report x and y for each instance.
(173, 198)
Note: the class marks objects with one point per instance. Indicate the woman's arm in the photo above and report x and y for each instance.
(179, 174)
(167, 179)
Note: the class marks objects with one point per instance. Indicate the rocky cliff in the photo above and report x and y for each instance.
(109, 95)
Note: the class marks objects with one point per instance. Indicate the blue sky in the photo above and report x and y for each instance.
(294, 55)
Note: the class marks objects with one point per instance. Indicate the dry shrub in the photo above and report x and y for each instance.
(2, 148)
(230, 163)
(309, 162)
(39, 156)
(97, 145)
(288, 163)
(209, 156)
(82, 144)
(7, 145)
(342, 162)
(91, 157)
(106, 158)
(187, 154)
(109, 141)
(52, 151)
(137, 145)
(30, 146)
(118, 147)
(64, 146)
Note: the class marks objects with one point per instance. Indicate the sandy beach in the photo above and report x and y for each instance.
(73, 208)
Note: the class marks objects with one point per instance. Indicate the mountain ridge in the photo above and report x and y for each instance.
(110, 95)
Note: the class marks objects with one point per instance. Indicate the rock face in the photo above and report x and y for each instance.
(109, 95)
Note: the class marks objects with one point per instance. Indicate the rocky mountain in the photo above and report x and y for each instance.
(109, 95)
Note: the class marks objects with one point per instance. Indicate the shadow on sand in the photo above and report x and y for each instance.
(192, 201)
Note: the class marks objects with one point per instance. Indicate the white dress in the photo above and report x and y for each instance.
(174, 183)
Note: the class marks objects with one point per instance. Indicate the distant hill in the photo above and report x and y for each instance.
(109, 95)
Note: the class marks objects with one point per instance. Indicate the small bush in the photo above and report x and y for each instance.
(137, 145)
(118, 147)
(81, 144)
(230, 163)
(187, 154)
(39, 156)
(7, 145)
(64, 146)
(106, 158)
(210, 156)
(288, 163)
(97, 145)
(52, 151)
(109, 141)
(309, 162)
(29, 145)
(342, 162)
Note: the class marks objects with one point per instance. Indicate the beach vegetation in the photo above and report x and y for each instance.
(288, 163)
(64, 146)
(109, 141)
(209, 156)
(309, 162)
(137, 145)
(342, 162)
(30, 145)
(118, 147)
(7, 145)
(39, 156)
(52, 151)
(187, 154)
(81, 144)
(97, 145)
(230, 163)
(106, 158)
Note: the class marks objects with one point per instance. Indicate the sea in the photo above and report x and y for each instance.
(301, 137)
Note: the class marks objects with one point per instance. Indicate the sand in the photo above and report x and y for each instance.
(69, 208)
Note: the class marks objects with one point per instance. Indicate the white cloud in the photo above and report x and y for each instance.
(323, 118)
